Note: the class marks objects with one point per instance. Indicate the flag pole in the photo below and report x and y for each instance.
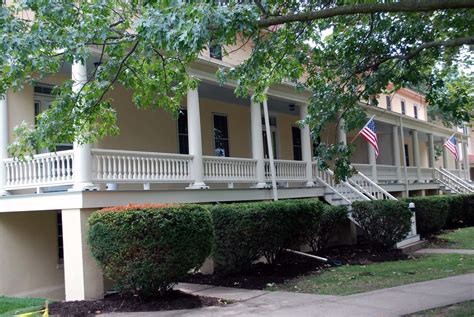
(362, 129)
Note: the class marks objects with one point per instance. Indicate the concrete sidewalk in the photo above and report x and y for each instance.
(445, 251)
(393, 301)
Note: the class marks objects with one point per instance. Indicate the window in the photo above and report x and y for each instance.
(415, 111)
(59, 231)
(407, 157)
(183, 145)
(402, 104)
(215, 51)
(389, 103)
(221, 136)
(296, 134)
(273, 134)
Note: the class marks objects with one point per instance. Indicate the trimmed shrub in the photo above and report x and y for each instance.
(386, 222)
(321, 229)
(145, 249)
(431, 213)
(246, 231)
(461, 211)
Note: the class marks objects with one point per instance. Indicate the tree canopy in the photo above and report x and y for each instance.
(346, 51)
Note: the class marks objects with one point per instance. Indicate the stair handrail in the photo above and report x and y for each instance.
(352, 188)
(372, 183)
(331, 187)
(455, 181)
(459, 179)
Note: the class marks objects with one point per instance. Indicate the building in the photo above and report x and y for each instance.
(215, 151)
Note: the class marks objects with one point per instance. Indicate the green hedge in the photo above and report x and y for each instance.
(434, 213)
(147, 250)
(385, 222)
(322, 229)
(431, 213)
(244, 232)
(461, 211)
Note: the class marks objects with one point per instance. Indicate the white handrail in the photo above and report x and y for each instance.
(113, 166)
(229, 169)
(457, 178)
(41, 170)
(452, 183)
(367, 186)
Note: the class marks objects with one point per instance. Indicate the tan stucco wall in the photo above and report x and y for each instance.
(410, 101)
(29, 261)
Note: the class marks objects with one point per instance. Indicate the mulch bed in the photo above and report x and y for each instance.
(118, 303)
(263, 275)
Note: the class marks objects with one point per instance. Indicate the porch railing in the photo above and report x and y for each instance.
(286, 170)
(52, 169)
(229, 169)
(141, 167)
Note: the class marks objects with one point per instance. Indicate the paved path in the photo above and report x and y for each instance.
(445, 251)
(393, 301)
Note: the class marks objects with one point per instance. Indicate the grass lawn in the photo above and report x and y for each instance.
(351, 279)
(10, 306)
(456, 239)
(464, 309)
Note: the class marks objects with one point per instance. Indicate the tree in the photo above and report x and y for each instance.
(148, 45)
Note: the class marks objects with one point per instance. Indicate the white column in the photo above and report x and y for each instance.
(465, 156)
(445, 158)
(3, 143)
(372, 161)
(396, 153)
(416, 154)
(82, 152)
(431, 150)
(83, 279)
(341, 133)
(257, 142)
(306, 147)
(195, 140)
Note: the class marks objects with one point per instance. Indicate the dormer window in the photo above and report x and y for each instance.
(215, 51)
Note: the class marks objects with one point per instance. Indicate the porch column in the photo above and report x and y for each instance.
(372, 162)
(195, 140)
(416, 154)
(396, 153)
(465, 154)
(3, 143)
(431, 150)
(82, 152)
(83, 279)
(306, 147)
(445, 158)
(257, 142)
(341, 133)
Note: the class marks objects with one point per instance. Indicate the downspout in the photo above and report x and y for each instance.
(404, 155)
(270, 149)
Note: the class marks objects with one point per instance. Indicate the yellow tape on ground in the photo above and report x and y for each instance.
(44, 311)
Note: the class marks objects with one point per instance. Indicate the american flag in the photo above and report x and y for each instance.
(368, 132)
(451, 145)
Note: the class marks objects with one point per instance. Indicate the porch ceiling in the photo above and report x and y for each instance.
(226, 94)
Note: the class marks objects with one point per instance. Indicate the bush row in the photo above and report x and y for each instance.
(246, 232)
(145, 249)
(387, 221)
(434, 213)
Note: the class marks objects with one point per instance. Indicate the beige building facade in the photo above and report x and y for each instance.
(216, 150)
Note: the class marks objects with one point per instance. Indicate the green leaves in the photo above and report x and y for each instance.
(149, 47)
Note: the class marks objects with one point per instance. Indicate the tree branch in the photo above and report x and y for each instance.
(448, 43)
(402, 6)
